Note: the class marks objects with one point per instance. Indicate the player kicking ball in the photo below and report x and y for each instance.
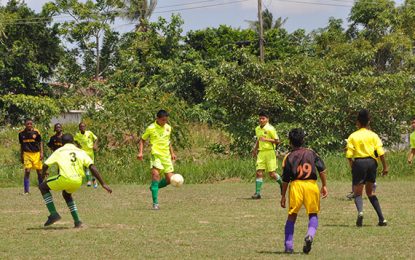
(71, 162)
(264, 151)
(162, 154)
(299, 172)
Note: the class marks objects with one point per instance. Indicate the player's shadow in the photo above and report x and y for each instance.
(338, 225)
(249, 198)
(47, 228)
(279, 253)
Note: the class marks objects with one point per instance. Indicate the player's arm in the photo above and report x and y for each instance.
(41, 150)
(323, 178)
(173, 155)
(45, 171)
(286, 169)
(140, 149)
(270, 140)
(411, 155)
(283, 192)
(95, 143)
(384, 165)
(255, 150)
(21, 154)
(96, 174)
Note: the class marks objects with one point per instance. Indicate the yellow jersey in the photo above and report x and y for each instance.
(412, 140)
(364, 143)
(268, 131)
(159, 138)
(71, 162)
(86, 141)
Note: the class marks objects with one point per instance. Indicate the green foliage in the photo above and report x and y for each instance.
(20, 106)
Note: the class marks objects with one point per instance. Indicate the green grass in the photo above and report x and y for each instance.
(204, 221)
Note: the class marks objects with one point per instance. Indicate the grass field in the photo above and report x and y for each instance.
(203, 221)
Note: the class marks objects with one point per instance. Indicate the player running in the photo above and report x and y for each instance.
(363, 148)
(71, 162)
(88, 142)
(412, 142)
(264, 151)
(299, 172)
(55, 140)
(162, 154)
(31, 152)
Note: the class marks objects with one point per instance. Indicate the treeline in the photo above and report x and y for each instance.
(315, 80)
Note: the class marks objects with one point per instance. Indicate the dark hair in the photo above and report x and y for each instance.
(82, 123)
(27, 120)
(67, 139)
(54, 127)
(162, 113)
(263, 113)
(413, 118)
(363, 117)
(296, 137)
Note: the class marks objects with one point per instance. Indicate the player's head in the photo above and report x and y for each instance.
(413, 123)
(57, 128)
(162, 117)
(28, 123)
(67, 139)
(263, 118)
(363, 118)
(82, 127)
(296, 137)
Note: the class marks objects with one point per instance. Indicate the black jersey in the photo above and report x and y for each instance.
(30, 140)
(301, 164)
(55, 142)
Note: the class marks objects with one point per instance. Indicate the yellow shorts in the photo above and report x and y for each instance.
(32, 160)
(304, 192)
(163, 163)
(266, 161)
(91, 154)
(58, 183)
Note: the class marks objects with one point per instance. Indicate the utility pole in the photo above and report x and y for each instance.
(261, 32)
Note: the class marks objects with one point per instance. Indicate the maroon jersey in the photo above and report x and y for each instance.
(302, 164)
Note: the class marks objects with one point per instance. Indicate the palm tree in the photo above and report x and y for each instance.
(139, 11)
(268, 22)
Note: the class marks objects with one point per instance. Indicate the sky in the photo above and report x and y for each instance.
(301, 14)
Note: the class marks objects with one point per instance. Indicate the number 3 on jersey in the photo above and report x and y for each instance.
(73, 157)
(302, 169)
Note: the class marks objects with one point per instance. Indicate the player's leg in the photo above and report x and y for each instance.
(47, 197)
(258, 184)
(312, 204)
(289, 233)
(26, 181)
(168, 169)
(155, 179)
(88, 177)
(359, 172)
(72, 208)
(271, 162)
(274, 175)
(37, 164)
(370, 182)
(39, 176)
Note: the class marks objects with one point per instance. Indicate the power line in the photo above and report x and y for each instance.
(199, 7)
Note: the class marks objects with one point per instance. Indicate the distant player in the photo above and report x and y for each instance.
(31, 153)
(71, 162)
(162, 154)
(55, 140)
(299, 172)
(412, 142)
(363, 148)
(264, 151)
(88, 142)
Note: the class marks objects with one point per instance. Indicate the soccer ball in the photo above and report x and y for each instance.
(176, 180)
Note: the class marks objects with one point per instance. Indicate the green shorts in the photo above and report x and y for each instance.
(162, 163)
(58, 183)
(266, 161)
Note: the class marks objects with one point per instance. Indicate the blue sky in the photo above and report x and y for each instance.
(305, 14)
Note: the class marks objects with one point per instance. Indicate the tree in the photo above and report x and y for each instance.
(29, 52)
(268, 22)
(138, 11)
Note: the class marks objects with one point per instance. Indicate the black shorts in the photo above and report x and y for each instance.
(364, 170)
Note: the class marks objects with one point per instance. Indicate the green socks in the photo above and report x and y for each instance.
(88, 175)
(47, 197)
(154, 191)
(74, 210)
(258, 185)
(163, 183)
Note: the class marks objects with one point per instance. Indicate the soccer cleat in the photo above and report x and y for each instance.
(383, 223)
(25, 194)
(289, 251)
(78, 224)
(89, 183)
(156, 207)
(359, 221)
(308, 240)
(52, 219)
(256, 196)
(350, 196)
(95, 183)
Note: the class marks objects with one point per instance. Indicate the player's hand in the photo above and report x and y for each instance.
(21, 160)
(324, 192)
(254, 153)
(140, 156)
(409, 161)
(385, 171)
(107, 188)
(263, 139)
(41, 156)
(95, 147)
(283, 202)
(173, 157)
